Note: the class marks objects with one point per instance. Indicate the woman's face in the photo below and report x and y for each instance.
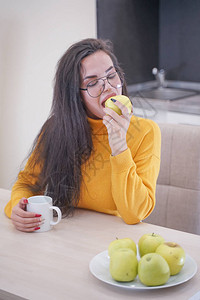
(94, 66)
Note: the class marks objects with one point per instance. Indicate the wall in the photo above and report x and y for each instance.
(33, 36)
(133, 27)
(179, 42)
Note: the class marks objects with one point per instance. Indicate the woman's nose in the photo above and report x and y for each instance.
(107, 85)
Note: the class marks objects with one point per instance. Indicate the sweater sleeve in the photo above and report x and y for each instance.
(134, 177)
(20, 189)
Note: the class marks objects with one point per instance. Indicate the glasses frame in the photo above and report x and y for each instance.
(103, 78)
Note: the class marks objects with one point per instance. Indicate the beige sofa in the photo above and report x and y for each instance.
(178, 185)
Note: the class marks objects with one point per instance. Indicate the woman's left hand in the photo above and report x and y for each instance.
(117, 126)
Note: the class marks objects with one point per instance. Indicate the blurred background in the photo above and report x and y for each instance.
(153, 33)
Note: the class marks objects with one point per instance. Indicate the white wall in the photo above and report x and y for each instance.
(33, 36)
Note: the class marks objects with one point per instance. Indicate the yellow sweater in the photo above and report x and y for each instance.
(122, 185)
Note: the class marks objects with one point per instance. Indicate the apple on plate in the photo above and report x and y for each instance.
(123, 265)
(121, 98)
(153, 270)
(149, 242)
(174, 254)
(122, 243)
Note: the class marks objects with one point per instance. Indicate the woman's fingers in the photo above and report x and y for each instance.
(125, 113)
(21, 212)
(29, 229)
(112, 119)
(27, 220)
(23, 220)
(117, 126)
(26, 224)
(22, 203)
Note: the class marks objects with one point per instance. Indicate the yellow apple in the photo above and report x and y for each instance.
(123, 265)
(123, 99)
(174, 254)
(149, 242)
(153, 270)
(122, 243)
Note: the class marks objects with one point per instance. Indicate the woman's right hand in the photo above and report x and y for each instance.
(24, 220)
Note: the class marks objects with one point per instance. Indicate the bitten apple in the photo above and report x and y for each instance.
(174, 254)
(122, 243)
(153, 270)
(149, 242)
(123, 99)
(123, 265)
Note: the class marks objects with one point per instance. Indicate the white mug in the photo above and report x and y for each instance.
(43, 205)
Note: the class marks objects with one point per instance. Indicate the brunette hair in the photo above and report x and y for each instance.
(64, 142)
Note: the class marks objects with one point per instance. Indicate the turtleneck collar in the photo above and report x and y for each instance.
(97, 126)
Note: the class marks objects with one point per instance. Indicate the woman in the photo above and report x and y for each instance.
(86, 155)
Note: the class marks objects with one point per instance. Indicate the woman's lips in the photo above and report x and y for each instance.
(104, 100)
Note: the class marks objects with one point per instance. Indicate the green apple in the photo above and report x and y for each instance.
(149, 242)
(174, 254)
(153, 270)
(122, 243)
(123, 265)
(123, 99)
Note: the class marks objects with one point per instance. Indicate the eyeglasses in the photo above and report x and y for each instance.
(96, 87)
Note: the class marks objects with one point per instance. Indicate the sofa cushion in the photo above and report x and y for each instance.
(176, 208)
(178, 185)
(180, 156)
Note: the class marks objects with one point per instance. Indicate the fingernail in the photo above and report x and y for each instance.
(37, 215)
(113, 100)
(37, 228)
(25, 201)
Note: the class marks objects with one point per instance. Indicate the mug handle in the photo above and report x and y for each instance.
(59, 215)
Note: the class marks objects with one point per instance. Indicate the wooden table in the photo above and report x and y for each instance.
(55, 265)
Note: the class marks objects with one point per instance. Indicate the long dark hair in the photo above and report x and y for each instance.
(64, 142)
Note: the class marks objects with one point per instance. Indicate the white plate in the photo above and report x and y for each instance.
(99, 267)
